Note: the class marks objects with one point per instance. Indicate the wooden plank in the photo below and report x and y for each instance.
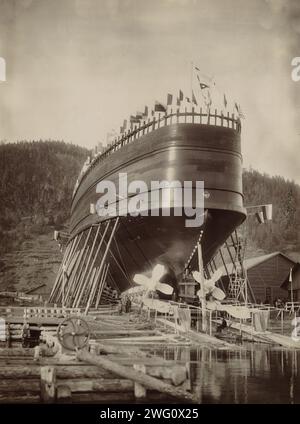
(62, 372)
(102, 398)
(19, 385)
(48, 381)
(145, 380)
(19, 398)
(98, 385)
(140, 391)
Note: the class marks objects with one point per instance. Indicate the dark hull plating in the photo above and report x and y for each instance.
(184, 152)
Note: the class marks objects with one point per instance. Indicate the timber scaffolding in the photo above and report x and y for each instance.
(118, 362)
(113, 357)
(230, 258)
(82, 276)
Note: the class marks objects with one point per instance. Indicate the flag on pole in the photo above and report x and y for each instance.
(194, 98)
(205, 92)
(139, 115)
(169, 99)
(159, 107)
(202, 85)
(124, 126)
(133, 120)
(239, 111)
(225, 101)
(146, 112)
(290, 277)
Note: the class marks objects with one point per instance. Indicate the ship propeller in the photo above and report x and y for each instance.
(210, 289)
(152, 283)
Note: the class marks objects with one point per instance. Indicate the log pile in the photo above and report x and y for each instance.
(107, 370)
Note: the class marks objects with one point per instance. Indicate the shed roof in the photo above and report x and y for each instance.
(257, 260)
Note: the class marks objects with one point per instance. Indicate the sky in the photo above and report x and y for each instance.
(76, 68)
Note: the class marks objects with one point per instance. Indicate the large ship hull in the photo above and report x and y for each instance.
(183, 152)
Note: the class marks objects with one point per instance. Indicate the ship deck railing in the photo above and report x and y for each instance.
(192, 116)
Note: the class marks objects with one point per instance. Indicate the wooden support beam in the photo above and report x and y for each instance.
(101, 285)
(90, 263)
(82, 262)
(48, 382)
(140, 391)
(66, 253)
(93, 290)
(138, 377)
(85, 277)
(65, 262)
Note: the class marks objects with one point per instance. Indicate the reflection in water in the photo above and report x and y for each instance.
(255, 374)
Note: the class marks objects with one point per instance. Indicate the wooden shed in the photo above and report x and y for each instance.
(266, 275)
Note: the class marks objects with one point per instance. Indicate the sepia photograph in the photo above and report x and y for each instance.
(149, 205)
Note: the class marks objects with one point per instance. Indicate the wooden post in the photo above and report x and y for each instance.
(85, 251)
(65, 256)
(88, 269)
(57, 293)
(93, 290)
(48, 380)
(101, 285)
(137, 376)
(139, 390)
(203, 300)
(73, 270)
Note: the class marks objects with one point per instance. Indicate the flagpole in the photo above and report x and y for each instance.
(292, 294)
(192, 65)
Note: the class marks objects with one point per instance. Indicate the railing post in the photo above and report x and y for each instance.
(193, 115)
(215, 117)
(200, 115)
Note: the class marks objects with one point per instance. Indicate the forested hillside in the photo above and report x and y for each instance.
(283, 232)
(36, 184)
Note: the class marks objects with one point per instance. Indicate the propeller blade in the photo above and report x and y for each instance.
(164, 288)
(198, 277)
(142, 280)
(218, 294)
(158, 272)
(208, 286)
